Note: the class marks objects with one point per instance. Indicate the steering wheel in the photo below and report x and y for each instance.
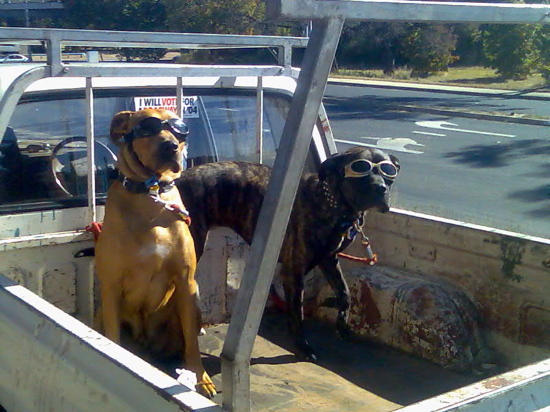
(69, 166)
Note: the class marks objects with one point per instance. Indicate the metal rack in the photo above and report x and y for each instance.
(55, 40)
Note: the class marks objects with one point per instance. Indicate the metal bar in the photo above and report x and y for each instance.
(31, 6)
(104, 38)
(85, 290)
(53, 53)
(284, 56)
(260, 120)
(327, 130)
(179, 97)
(410, 11)
(167, 70)
(275, 213)
(15, 91)
(90, 149)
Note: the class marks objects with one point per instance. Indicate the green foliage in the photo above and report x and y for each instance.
(511, 49)
(543, 45)
(514, 51)
(424, 48)
(199, 16)
(371, 44)
(214, 16)
(429, 48)
(140, 15)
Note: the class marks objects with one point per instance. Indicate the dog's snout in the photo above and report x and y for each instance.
(380, 188)
(169, 147)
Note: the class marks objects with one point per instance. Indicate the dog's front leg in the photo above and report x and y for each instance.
(330, 267)
(294, 295)
(110, 313)
(186, 295)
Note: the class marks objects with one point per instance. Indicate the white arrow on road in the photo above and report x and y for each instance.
(389, 143)
(436, 124)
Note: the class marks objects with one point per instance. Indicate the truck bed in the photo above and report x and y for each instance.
(351, 375)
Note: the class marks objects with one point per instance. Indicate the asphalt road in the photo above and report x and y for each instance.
(475, 170)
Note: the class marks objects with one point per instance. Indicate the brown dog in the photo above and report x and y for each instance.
(322, 223)
(145, 257)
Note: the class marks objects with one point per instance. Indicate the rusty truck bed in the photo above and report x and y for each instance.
(351, 375)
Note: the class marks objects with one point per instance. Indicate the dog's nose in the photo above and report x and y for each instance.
(380, 188)
(169, 146)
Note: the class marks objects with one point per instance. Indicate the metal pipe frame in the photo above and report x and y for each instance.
(409, 11)
(133, 39)
(259, 120)
(275, 213)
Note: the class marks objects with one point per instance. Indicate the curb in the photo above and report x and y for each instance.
(479, 115)
(458, 90)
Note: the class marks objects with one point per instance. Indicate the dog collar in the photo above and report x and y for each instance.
(151, 185)
(329, 196)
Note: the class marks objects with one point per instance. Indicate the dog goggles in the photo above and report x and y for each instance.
(151, 126)
(362, 167)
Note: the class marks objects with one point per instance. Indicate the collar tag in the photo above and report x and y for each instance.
(153, 185)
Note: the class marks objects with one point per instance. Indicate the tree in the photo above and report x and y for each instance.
(140, 15)
(371, 44)
(429, 48)
(511, 49)
(543, 45)
(214, 16)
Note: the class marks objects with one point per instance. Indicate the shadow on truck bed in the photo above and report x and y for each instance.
(352, 374)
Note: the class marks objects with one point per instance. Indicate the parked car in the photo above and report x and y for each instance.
(14, 58)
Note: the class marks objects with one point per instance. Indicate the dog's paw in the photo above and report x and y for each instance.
(343, 330)
(206, 387)
(305, 352)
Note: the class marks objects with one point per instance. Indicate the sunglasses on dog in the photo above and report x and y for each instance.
(151, 126)
(362, 167)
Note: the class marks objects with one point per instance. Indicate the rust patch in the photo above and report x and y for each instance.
(535, 326)
(496, 383)
(512, 255)
(372, 315)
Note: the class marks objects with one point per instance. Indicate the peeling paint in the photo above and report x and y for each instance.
(416, 314)
(512, 251)
(496, 383)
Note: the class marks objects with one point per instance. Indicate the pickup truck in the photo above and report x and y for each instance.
(454, 316)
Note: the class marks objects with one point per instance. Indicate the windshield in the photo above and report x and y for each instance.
(43, 152)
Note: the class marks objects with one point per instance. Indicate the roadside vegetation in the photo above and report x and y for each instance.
(488, 55)
(476, 76)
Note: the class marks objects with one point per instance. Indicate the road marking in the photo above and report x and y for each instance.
(435, 124)
(389, 143)
(430, 134)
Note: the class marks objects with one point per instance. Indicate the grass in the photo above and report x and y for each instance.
(455, 76)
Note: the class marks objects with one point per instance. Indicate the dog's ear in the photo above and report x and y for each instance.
(120, 127)
(395, 161)
(330, 167)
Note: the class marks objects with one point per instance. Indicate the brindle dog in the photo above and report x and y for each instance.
(327, 206)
